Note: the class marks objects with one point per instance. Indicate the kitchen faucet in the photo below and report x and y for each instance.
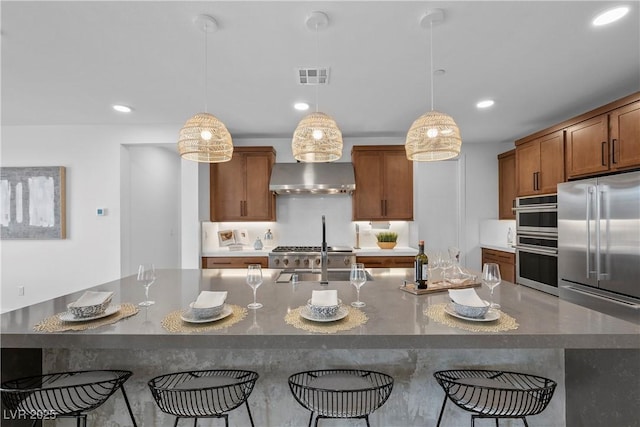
(323, 255)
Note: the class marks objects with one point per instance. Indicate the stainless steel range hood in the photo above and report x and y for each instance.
(312, 178)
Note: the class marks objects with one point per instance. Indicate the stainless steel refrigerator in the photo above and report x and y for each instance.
(599, 244)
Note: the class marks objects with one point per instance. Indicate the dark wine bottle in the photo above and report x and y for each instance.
(421, 267)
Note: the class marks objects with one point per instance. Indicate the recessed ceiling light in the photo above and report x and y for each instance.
(122, 108)
(301, 106)
(611, 15)
(486, 103)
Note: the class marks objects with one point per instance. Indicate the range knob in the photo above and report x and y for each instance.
(306, 262)
(297, 261)
(276, 261)
(318, 261)
(347, 260)
(285, 261)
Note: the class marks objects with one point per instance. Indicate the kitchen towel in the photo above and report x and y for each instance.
(90, 298)
(467, 297)
(324, 298)
(208, 299)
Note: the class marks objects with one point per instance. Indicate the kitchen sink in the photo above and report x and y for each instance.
(314, 276)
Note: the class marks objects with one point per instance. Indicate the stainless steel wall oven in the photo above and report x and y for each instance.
(537, 242)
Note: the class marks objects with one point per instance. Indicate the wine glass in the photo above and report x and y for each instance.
(491, 278)
(146, 276)
(254, 279)
(358, 277)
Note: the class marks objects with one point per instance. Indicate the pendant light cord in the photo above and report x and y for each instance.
(317, 64)
(206, 39)
(431, 58)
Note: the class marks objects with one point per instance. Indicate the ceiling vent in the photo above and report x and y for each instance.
(313, 76)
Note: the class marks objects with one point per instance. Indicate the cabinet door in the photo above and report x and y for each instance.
(527, 167)
(227, 190)
(551, 162)
(588, 147)
(625, 136)
(398, 186)
(367, 198)
(506, 184)
(259, 203)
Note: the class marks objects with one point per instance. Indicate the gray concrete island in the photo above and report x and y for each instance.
(585, 351)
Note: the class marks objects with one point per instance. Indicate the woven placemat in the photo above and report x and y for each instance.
(504, 323)
(54, 324)
(354, 319)
(173, 323)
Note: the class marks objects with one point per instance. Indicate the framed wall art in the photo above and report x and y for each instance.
(32, 203)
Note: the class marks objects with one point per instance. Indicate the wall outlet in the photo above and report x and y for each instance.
(101, 211)
(20, 291)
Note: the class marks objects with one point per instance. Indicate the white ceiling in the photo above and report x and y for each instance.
(542, 62)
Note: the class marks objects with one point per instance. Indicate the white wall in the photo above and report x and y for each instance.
(154, 216)
(91, 252)
(100, 249)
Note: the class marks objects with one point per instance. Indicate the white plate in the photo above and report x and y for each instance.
(489, 317)
(341, 314)
(187, 316)
(67, 316)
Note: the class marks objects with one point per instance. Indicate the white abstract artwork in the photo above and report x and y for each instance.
(32, 203)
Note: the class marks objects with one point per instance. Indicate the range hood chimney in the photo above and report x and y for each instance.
(312, 178)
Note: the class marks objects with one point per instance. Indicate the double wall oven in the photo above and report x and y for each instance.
(537, 242)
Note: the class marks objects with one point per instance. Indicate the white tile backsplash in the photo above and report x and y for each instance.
(300, 223)
(493, 232)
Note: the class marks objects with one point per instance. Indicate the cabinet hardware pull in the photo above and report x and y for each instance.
(604, 143)
(534, 181)
(613, 151)
(382, 207)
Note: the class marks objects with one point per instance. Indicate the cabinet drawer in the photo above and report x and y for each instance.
(386, 261)
(234, 262)
(505, 260)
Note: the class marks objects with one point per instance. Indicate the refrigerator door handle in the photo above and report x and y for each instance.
(590, 191)
(602, 247)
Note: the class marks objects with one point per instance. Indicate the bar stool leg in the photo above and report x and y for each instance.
(126, 400)
(444, 403)
(311, 419)
(367, 420)
(195, 422)
(176, 423)
(246, 402)
(525, 422)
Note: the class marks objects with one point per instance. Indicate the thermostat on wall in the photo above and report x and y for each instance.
(101, 211)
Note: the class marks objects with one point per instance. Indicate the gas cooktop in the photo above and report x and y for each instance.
(311, 249)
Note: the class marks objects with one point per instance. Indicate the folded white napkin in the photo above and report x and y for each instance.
(324, 298)
(208, 299)
(92, 298)
(466, 297)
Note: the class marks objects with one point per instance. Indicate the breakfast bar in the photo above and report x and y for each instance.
(407, 336)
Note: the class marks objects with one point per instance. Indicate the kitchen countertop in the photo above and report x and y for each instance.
(376, 251)
(509, 249)
(246, 251)
(368, 251)
(396, 318)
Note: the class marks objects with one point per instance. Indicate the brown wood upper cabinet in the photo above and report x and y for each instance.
(240, 187)
(607, 142)
(506, 184)
(540, 164)
(384, 183)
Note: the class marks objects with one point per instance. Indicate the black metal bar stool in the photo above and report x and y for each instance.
(341, 393)
(495, 394)
(64, 394)
(203, 394)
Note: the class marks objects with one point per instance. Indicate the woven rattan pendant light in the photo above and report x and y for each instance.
(204, 138)
(434, 135)
(317, 137)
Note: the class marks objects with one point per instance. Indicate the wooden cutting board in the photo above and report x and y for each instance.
(437, 287)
